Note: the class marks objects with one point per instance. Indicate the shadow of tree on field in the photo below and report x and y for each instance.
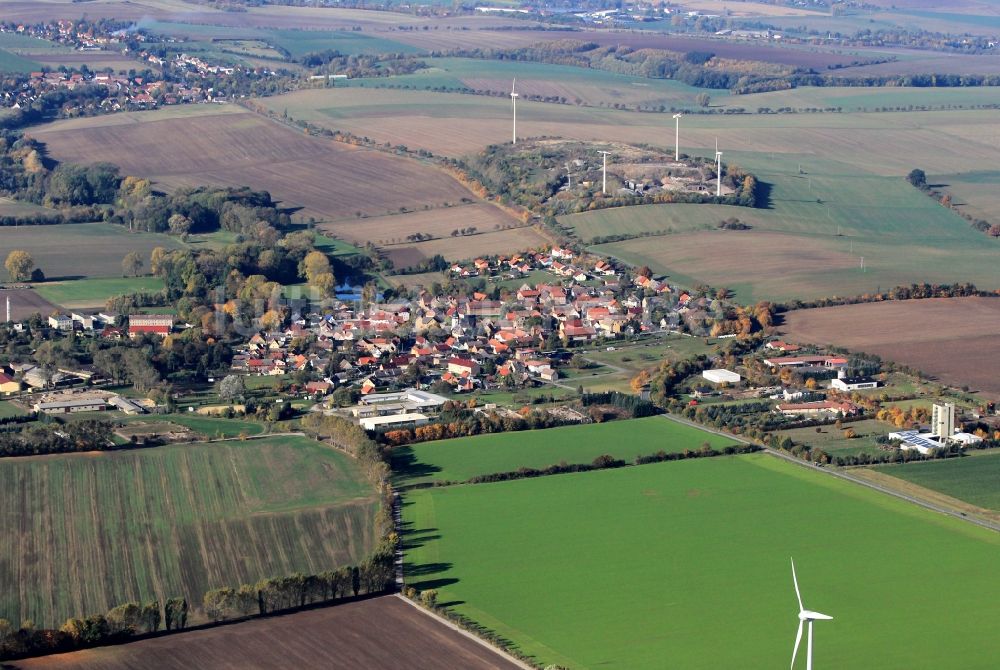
(406, 466)
(763, 194)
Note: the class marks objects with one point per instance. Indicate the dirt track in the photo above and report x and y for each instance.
(383, 633)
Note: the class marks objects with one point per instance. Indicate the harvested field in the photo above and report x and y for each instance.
(378, 634)
(75, 250)
(437, 222)
(467, 247)
(94, 61)
(229, 146)
(24, 302)
(86, 532)
(954, 339)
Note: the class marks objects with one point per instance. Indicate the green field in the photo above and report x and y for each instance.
(860, 99)
(460, 459)
(8, 409)
(831, 439)
(11, 62)
(300, 42)
(76, 250)
(686, 565)
(574, 85)
(95, 292)
(85, 532)
(975, 480)
(827, 218)
(209, 426)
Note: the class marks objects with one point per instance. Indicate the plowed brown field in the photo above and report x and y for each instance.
(956, 340)
(380, 634)
(229, 146)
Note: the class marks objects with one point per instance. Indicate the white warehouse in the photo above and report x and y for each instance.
(721, 376)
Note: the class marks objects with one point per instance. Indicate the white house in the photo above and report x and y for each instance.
(853, 383)
(721, 376)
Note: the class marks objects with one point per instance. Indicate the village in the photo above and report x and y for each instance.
(169, 79)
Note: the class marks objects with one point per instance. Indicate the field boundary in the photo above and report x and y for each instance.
(440, 619)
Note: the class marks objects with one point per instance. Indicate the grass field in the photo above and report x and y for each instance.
(95, 292)
(8, 409)
(210, 427)
(460, 459)
(89, 531)
(832, 440)
(11, 62)
(975, 480)
(959, 349)
(641, 567)
(574, 85)
(76, 250)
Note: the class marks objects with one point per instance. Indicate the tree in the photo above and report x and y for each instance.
(179, 224)
(125, 619)
(131, 264)
(918, 179)
(231, 387)
(176, 611)
(429, 598)
(703, 99)
(19, 264)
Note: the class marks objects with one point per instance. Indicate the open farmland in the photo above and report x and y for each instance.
(463, 458)
(168, 521)
(467, 247)
(680, 542)
(393, 229)
(24, 302)
(973, 479)
(954, 339)
(331, 638)
(229, 146)
(82, 293)
(11, 62)
(75, 250)
(574, 85)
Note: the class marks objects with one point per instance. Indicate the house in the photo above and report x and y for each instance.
(461, 366)
(853, 383)
(721, 376)
(778, 345)
(159, 324)
(318, 388)
(60, 322)
(8, 384)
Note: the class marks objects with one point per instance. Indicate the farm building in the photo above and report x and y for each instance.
(408, 420)
(125, 405)
(853, 383)
(828, 407)
(412, 399)
(720, 376)
(71, 406)
(159, 324)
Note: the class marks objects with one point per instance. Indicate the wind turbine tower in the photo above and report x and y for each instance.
(604, 172)
(8, 309)
(513, 108)
(805, 616)
(718, 170)
(677, 136)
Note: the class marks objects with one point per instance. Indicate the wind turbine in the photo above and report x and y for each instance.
(513, 108)
(677, 136)
(604, 172)
(805, 616)
(718, 170)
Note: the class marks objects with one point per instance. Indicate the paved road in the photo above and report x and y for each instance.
(846, 476)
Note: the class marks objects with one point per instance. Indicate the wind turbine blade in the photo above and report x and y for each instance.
(816, 616)
(512, 85)
(795, 580)
(795, 649)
